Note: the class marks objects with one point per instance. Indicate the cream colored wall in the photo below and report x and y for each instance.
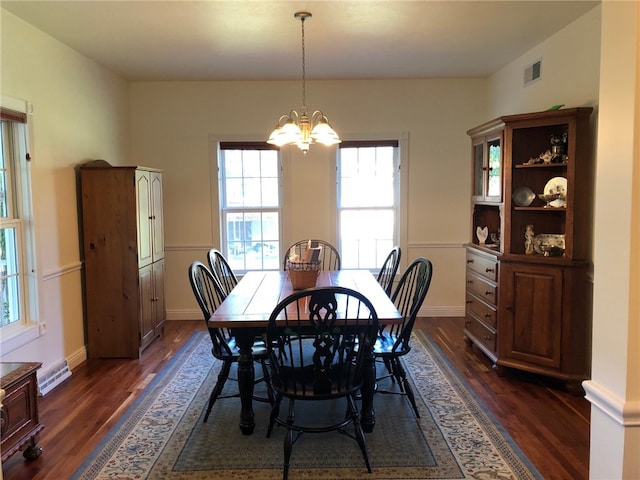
(614, 389)
(80, 113)
(172, 123)
(570, 72)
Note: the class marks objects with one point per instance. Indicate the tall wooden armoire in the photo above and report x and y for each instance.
(123, 253)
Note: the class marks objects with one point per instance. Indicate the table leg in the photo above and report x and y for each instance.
(367, 414)
(246, 376)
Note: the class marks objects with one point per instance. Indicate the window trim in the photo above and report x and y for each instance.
(16, 335)
(377, 139)
(231, 142)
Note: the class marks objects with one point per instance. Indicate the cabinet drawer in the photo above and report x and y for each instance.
(482, 288)
(481, 333)
(483, 311)
(487, 267)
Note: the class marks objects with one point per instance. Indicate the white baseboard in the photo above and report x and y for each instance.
(625, 413)
(77, 357)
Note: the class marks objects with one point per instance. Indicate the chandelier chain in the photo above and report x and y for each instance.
(304, 70)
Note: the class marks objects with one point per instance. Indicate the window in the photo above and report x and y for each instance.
(368, 202)
(249, 177)
(18, 295)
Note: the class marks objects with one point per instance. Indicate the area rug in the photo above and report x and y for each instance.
(163, 436)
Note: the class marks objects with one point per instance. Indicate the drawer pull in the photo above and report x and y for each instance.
(488, 270)
(469, 282)
(488, 293)
(487, 315)
(468, 302)
(469, 260)
(487, 337)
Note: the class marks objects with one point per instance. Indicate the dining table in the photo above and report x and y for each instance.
(246, 311)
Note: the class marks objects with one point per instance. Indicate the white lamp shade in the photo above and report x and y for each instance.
(323, 133)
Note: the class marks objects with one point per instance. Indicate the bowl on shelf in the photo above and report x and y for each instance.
(548, 198)
(549, 244)
(523, 196)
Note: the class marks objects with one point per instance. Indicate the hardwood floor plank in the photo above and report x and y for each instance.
(550, 426)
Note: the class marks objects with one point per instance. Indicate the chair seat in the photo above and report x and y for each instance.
(303, 383)
(384, 346)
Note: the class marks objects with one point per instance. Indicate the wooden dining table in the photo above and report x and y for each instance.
(246, 312)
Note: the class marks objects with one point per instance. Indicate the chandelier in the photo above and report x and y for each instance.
(302, 129)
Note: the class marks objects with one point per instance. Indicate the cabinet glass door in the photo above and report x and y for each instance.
(478, 170)
(494, 180)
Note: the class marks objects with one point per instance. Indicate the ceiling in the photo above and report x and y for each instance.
(261, 40)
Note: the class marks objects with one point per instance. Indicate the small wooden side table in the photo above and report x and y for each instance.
(19, 424)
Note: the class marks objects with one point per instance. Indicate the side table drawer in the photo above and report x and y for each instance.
(481, 333)
(483, 311)
(487, 267)
(482, 288)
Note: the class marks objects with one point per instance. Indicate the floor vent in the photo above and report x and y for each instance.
(532, 72)
(53, 377)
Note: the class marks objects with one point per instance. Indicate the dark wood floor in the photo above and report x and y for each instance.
(549, 425)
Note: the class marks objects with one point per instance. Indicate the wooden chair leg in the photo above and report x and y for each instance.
(406, 386)
(359, 434)
(217, 389)
(288, 441)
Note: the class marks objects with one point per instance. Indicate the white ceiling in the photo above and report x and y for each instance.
(260, 40)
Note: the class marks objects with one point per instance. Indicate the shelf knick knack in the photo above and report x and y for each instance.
(482, 234)
(529, 234)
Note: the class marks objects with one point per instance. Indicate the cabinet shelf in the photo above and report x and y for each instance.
(542, 165)
(540, 209)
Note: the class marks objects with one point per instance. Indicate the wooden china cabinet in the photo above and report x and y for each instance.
(528, 296)
(123, 252)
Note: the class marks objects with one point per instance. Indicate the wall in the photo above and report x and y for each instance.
(80, 113)
(614, 389)
(570, 72)
(172, 123)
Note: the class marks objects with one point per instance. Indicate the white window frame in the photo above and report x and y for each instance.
(400, 187)
(25, 330)
(223, 209)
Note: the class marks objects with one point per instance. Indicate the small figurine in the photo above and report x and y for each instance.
(544, 157)
(529, 235)
(558, 144)
(482, 234)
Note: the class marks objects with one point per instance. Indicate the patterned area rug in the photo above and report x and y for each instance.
(162, 436)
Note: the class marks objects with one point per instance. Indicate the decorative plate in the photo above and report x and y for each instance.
(523, 196)
(557, 185)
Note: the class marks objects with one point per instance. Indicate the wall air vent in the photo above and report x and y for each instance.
(532, 72)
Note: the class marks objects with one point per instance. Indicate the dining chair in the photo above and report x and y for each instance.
(329, 258)
(223, 272)
(387, 273)
(393, 342)
(209, 294)
(316, 328)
